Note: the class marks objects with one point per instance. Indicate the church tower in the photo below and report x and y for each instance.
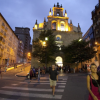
(64, 32)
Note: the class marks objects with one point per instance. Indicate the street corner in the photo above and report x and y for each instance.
(22, 74)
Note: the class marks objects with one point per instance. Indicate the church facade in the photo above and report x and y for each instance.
(64, 32)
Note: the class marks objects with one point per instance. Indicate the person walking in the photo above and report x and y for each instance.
(53, 76)
(39, 74)
(31, 74)
(0, 72)
(43, 70)
(93, 83)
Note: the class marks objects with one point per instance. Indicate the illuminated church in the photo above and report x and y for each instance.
(64, 32)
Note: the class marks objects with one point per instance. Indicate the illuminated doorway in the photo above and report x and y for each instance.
(59, 61)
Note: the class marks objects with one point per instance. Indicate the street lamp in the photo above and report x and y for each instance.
(44, 45)
(46, 38)
(80, 39)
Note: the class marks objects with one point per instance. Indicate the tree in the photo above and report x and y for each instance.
(78, 51)
(45, 53)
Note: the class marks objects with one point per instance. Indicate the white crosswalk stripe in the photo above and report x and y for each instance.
(23, 91)
(6, 99)
(38, 83)
(30, 94)
(48, 81)
(33, 89)
(61, 86)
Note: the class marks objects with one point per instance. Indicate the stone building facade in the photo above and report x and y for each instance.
(8, 43)
(64, 32)
(96, 28)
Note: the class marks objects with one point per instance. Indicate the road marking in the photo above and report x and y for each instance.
(14, 84)
(6, 99)
(58, 78)
(61, 86)
(65, 79)
(33, 89)
(50, 96)
(46, 81)
(38, 83)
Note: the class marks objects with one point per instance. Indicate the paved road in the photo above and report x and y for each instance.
(69, 87)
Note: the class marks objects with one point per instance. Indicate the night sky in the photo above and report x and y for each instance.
(23, 13)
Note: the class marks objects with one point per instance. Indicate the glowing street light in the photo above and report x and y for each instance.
(96, 43)
(80, 39)
(44, 43)
(46, 38)
(29, 54)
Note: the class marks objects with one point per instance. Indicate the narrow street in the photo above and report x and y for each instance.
(69, 87)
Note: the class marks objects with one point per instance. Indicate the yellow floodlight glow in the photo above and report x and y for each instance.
(65, 14)
(50, 14)
(35, 26)
(44, 43)
(41, 25)
(29, 54)
(66, 28)
(96, 42)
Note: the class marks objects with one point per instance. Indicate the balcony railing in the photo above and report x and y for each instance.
(1, 38)
(6, 29)
(3, 24)
(5, 34)
(1, 31)
(1, 55)
(1, 47)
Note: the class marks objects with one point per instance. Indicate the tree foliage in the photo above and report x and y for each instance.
(78, 51)
(45, 53)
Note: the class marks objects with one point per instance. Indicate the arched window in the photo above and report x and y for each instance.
(59, 61)
(62, 27)
(58, 38)
(54, 26)
(58, 14)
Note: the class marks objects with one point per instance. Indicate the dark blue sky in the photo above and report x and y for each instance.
(23, 13)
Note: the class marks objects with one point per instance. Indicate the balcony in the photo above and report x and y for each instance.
(4, 34)
(1, 55)
(1, 38)
(1, 32)
(3, 25)
(1, 47)
(3, 41)
(6, 29)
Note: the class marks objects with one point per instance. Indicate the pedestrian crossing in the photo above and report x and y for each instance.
(34, 89)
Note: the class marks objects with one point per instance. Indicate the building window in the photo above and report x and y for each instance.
(58, 38)
(97, 31)
(58, 14)
(54, 25)
(62, 27)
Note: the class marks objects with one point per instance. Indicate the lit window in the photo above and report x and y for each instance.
(58, 38)
(58, 14)
(62, 27)
(54, 25)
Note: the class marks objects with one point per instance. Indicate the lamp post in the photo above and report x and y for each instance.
(44, 43)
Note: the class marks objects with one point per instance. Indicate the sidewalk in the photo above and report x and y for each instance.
(10, 68)
(23, 73)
